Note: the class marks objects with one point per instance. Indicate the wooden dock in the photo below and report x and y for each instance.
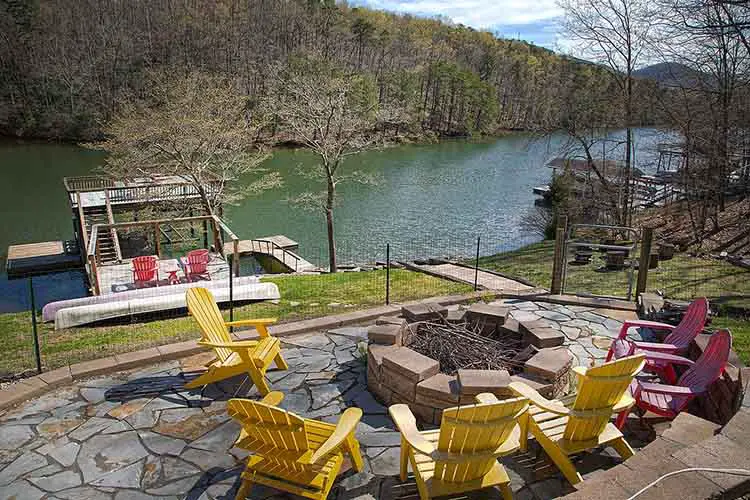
(41, 258)
(280, 248)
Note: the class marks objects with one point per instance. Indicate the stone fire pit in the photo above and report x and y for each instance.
(397, 373)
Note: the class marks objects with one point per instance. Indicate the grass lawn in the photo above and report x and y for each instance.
(682, 277)
(740, 329)
(301, 297)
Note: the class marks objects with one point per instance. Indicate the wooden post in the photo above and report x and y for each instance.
(646, 241)
(157, 228)
(82, 223)
(559, 258)
(94, 275)
(217, 239)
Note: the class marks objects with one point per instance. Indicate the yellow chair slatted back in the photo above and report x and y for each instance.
(471, 430)
(203, 308)
(279, 436)
(599, 389)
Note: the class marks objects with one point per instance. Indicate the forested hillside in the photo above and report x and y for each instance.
(65, 64)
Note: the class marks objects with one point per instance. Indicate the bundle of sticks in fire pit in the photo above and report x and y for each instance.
(462, 345)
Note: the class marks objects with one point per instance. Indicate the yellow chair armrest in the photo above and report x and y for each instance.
(625, 403)
(486, 398)
(273, 398)
(346, 426)
(407, 425)
(238, 345)
(537, 399)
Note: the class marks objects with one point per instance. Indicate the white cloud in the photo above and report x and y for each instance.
(480, 14)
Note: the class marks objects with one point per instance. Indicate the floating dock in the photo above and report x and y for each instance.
(42, 258)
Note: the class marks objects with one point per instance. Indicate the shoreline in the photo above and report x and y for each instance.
(284, 145)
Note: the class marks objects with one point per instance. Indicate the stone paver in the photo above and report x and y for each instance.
(111, 438)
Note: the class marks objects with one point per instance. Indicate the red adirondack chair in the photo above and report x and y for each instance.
(670, 400)
(145, 270)
(195, 264)
(658, 359)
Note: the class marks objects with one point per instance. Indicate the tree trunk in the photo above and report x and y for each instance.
(329, 224)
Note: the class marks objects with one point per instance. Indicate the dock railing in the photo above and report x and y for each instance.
(133, 191)
(272, 247)
(218, 227)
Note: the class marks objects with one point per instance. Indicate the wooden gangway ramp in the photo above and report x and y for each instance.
(280, 248)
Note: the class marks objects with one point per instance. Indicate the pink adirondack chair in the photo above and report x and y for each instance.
(195, 264)
(145, 270)
(670, 400)
(659, 356)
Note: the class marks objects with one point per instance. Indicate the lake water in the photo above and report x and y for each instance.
(431, 200)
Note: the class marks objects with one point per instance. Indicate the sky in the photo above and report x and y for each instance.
(534, 21)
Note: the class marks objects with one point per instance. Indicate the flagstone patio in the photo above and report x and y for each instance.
(141, 435)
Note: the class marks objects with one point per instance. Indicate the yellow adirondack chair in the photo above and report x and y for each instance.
(563, 431)
(233, 357)
(291, 453)
(462, 455)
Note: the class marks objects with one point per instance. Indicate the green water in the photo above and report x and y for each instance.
(432, 200)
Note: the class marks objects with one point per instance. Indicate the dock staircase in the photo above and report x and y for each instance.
(107, 242)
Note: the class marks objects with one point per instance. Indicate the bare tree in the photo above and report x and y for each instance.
(196, 127)
(332, 112)
(614, 33)
(704, 40)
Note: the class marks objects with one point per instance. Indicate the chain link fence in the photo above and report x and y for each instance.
(412, 269)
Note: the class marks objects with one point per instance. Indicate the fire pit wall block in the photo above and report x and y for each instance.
(424, 312)
(540, 334)
(553, 366)
(375, 355)
(386, 334)
(437, 393)
(473, 382)
(490, 317)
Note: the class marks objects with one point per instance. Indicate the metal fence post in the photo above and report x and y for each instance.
(476, 266)
(556, 287)
(34, 331)
(387, 273)
(231, 291)
(646, 242)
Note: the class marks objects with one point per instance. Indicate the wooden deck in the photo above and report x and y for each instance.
(91, 192)
(40, 258)
(116, 278)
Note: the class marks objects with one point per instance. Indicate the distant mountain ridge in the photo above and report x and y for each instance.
(672, 74)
